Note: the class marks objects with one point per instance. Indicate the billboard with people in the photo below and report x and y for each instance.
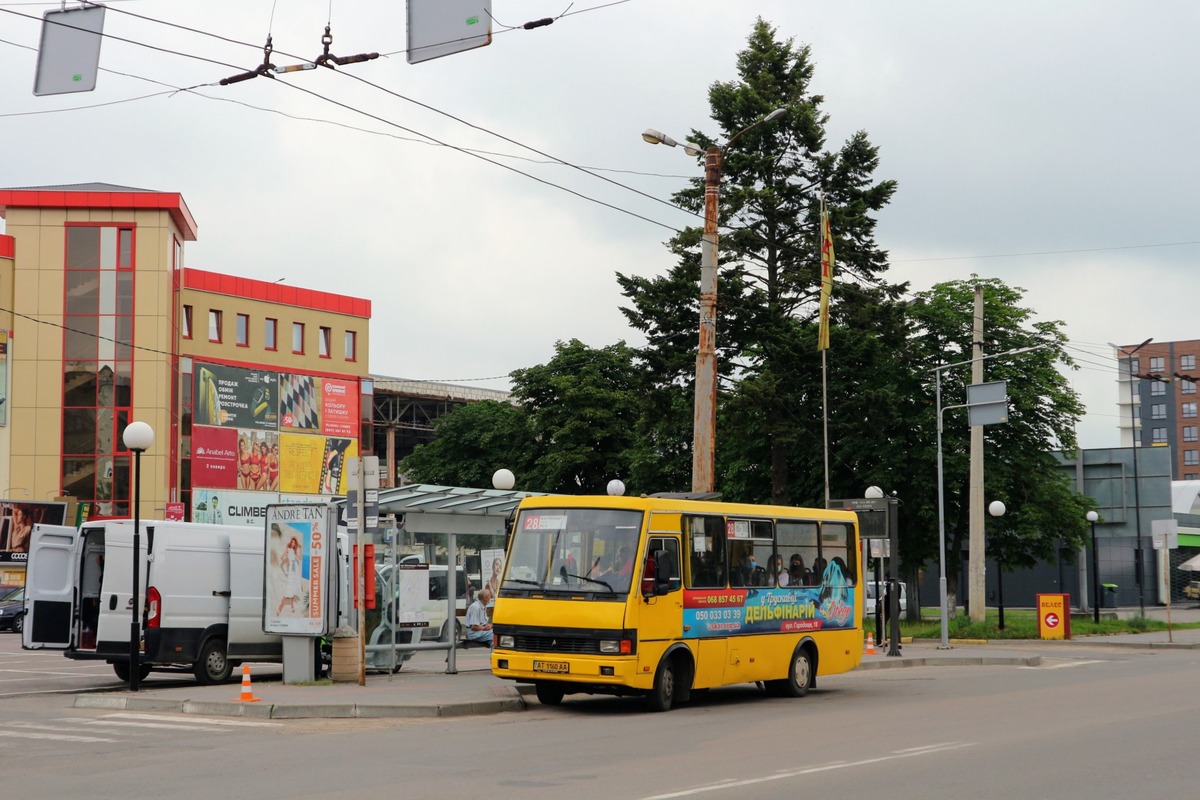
(16, 524)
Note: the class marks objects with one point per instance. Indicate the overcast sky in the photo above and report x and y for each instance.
(1050, 145)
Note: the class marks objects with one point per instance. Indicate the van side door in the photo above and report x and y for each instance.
(50, 587)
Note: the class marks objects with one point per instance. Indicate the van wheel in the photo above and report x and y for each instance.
(549, 693)
(121, 668)
(663, 694)
(800, 674)
(213, 665)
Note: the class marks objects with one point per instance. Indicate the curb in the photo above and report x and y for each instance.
(303, 710)
(952, 661)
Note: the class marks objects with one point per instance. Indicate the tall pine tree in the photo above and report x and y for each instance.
(769, 418)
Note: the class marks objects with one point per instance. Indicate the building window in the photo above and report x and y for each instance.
(243, 330)
(1190, 433)
(351, 344)
(270, 327)
(297, 337)
(1158, 435)
(1191, 458)
(1187, 362)
(1157, 388)
(1187, 409)
(1189, 476)
(124, 248)
(187, 322)
(214, 325)
(1158, 411)
(1157, 364)
(323, 339)
(1187, 387)
(97, 369)
(1135, 365)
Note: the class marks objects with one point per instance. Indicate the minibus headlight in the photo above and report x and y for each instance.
(610, 646)
(507, 642)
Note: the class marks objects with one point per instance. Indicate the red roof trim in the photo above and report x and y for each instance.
(171, 202)
(252, 289)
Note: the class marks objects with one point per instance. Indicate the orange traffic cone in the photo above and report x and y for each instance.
(870, 651)
(247, 692)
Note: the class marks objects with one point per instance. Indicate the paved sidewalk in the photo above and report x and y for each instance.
(423, 689)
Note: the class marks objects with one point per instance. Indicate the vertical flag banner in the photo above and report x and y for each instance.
(826, 279)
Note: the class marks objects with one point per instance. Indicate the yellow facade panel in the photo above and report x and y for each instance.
(49, 430)
(22, 426)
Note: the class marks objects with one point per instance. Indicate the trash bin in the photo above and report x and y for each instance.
(1110, 595)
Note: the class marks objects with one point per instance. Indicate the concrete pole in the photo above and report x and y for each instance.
(704, 423)
(977, 594)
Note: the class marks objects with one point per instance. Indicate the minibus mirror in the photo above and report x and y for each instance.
(649, 575)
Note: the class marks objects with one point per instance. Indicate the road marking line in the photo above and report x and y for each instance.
(1067, 664)
(202, 720)
(57, 737)
(897, 754)
(59, 729)
(156, 725)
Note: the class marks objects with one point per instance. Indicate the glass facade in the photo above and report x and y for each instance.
(97, 365)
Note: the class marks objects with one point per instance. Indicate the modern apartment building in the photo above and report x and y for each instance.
(256, 391)
(1158, 401)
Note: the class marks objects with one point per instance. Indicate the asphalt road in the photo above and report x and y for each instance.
(36, 672)
(1090, 722)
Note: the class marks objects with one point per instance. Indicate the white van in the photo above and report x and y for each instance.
(202, 587)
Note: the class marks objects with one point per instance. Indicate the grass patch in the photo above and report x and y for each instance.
(1022, 624)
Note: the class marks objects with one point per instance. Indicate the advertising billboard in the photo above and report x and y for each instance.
(233, 397)
(16, 524)
(298, 551)
(314, 464)
(231, 507)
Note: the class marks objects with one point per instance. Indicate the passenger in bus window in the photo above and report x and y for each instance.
(818, 570)
(797, 573)
(777, 573)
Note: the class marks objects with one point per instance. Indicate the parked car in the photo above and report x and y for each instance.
(1192, 590)
(12, 611)
(870, 593)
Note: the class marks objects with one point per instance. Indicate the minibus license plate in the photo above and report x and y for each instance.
(551, 666)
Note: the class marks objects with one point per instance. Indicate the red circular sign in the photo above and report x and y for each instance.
(1052, 620)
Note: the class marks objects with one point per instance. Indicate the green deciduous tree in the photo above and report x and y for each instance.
(573, 427)
(1019, 466)
(471, 443)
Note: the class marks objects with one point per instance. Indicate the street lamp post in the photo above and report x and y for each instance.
(937, 371)
(704, 420)
(138, 438)
(997, 509)
(1136, 443)
(1092, 516)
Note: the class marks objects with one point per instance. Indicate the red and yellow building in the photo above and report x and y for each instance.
(104, 325)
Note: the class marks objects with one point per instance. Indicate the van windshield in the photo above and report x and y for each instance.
(574, 549)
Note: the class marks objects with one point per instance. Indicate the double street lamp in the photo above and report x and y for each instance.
(1135, 441)
(704, 421)
(937, 371)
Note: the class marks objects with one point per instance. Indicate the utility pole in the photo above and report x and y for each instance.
(975, 585)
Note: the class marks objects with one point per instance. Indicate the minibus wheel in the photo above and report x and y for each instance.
(800, 673)
(662, 695)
